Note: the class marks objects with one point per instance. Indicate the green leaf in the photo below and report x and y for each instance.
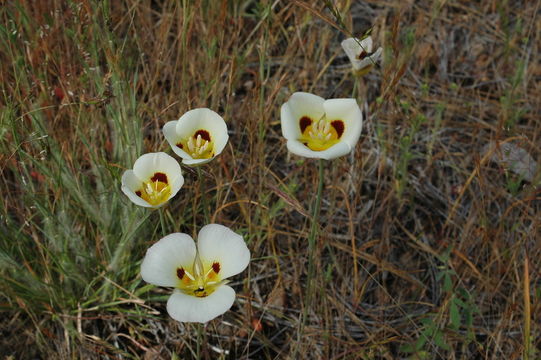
(454, 315)
(425, 335)
(439, 341)
(460, 303)
(144, 289)
(408, 348)
(447, 283)
(428, 322)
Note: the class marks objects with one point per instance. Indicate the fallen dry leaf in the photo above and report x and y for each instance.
(513, 158)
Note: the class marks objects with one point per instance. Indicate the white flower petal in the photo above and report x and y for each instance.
(188, 124)
(369, 60)
(176, 184)
(361, 64)
(219, 243)
(354, 47)
(130, 184)
(366, 44)
(335, 151)
(144, 169)
(170, 133)
(376, 55)
(345, 110)
(162, 259)
(351, 48)
(290, 124)
(181, 153)
(187, 308)
(206, 119)
(148, 164)
(299, 104)
(195, 162)
(218, 129)
(295, 147)
(349, 112)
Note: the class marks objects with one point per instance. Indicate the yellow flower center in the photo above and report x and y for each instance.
(201, 281)
(155, 191)
(320, 135)
(199, 145)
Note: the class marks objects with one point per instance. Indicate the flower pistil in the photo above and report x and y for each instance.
(201, 281)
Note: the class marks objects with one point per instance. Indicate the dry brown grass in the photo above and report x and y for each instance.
(420, 215)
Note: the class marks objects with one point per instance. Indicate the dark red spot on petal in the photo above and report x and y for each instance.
(216, 267)
(204, 134)
(362, 55)
(161, 177)
(180, 273)
(338, 125)
(180, 145)
(304, 122)
(138, 193)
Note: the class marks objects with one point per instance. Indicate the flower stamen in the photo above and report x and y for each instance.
(156, 190)
(199, 145)
(320, 135)
(204, 281)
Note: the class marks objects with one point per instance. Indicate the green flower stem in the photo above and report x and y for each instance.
(355, 89)
(311, 256)
(202, 194)
(201, 335)
(162, 221)
(313, 232)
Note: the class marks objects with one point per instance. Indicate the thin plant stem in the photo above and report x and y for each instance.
(199, 330)
(311, 255)
(162, 221)
(199, 327)
(202, 192)
(313, 232)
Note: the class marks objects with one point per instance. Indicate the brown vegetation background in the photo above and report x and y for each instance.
(429, 237)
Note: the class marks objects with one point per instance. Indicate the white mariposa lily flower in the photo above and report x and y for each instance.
(198, 274)
(198, 136)
(155, 178)
(319, 128)
(360, 54)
